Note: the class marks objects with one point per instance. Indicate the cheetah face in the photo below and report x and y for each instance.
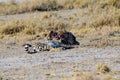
(26, 46)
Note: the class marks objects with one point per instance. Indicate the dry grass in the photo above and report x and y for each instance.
(79, 75)
(97, 34)
(39, 5)
(106, 19)
(12, 27)
(103, 20)
(29, 28)
(102, 69)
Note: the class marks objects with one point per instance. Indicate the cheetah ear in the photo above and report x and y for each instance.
(45, 35)
(24, 44)
(27, 45)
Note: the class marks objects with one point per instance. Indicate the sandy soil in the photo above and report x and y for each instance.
(16, 64)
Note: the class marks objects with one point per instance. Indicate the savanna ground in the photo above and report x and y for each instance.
(95, 23)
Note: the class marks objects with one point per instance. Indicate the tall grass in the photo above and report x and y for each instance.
(103, 20)
(47, 5)
(31, 25)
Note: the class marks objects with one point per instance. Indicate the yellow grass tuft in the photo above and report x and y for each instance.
(12, 27)
(102, 68)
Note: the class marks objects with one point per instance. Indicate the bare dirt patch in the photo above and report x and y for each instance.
(58, 65)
